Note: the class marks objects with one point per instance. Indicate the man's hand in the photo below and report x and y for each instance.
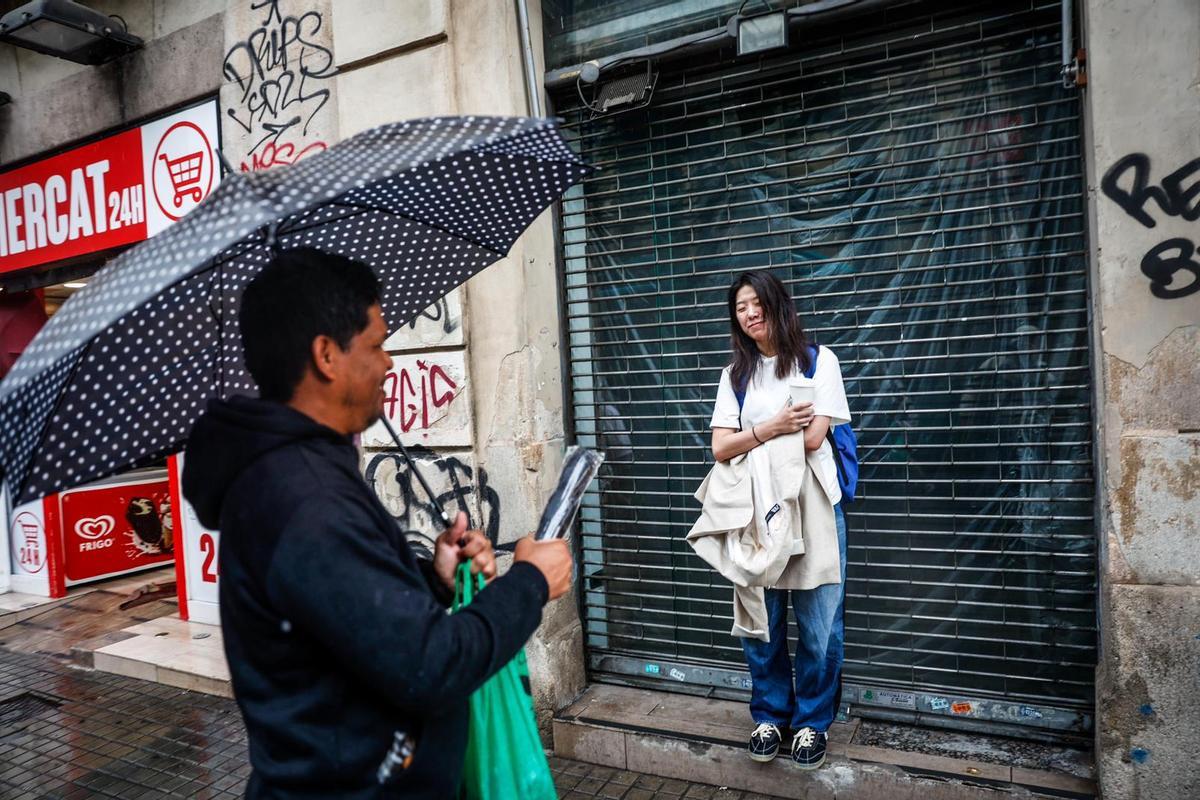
(552, 557)
(456, 545)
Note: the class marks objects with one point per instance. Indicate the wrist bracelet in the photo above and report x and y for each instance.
(755, 435)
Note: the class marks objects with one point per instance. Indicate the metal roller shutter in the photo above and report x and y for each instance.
(916, 181)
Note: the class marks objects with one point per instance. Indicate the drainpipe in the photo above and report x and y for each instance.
(1070, 68)
(530, 63)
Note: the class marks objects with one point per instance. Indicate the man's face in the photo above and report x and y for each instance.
(363, 367)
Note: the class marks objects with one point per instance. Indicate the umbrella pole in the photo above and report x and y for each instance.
(433, 501)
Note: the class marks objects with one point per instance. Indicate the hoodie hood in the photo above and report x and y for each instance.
(230, 436)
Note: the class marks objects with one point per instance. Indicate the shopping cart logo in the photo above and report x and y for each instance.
(29, 543)
(182, 169)
(185, 176)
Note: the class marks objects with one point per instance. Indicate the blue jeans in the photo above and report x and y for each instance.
(813, 699)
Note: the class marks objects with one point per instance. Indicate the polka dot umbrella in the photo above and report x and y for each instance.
(116, 378)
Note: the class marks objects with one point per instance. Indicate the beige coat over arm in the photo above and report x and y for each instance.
(767, 522)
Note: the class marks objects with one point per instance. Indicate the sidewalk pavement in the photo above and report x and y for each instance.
(68, 733)
(576, 781)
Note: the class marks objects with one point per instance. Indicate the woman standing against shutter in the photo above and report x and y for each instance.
(770, 355)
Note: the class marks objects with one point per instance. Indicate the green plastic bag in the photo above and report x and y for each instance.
(504, 760)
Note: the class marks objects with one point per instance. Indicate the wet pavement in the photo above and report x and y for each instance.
(578, 781)
(68, 733)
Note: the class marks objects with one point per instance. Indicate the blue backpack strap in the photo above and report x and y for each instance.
(845, 452)
(740, 394)
(842, 442)
(813, 350)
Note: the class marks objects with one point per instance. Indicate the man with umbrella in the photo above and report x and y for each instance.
(352, 677)
(342, 656)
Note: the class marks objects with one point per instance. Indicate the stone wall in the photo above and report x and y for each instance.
(1142, 106)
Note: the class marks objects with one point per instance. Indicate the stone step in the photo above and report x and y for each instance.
(704, 740)
(168, 650)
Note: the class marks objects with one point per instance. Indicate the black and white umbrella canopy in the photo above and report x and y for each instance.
(116, 378)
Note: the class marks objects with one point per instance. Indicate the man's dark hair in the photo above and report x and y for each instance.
(302, 294)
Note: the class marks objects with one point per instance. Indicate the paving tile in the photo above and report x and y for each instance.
(603, 773)
(589, 786)
(673, 788)
(623, 777)
(613, 791)
(578, 768)
(564, 781)
(651, 782)
(122, 738)
(640, 793)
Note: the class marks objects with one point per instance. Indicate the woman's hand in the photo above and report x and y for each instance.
(790, 419)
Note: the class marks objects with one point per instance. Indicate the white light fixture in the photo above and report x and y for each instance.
(762, 32)
(75, 285)
(64, 29)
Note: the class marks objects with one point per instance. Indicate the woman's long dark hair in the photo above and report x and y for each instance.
(787, 334)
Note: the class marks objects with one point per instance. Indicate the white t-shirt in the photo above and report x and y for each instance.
(767, 394)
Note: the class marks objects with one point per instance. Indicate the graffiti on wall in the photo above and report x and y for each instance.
(439, 325)
(426, 398)
(459, 487)
(416, 395)
(280, 69)
(439, 313)
(1169, 263)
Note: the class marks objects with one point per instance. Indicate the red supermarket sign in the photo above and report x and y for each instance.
(115, 191)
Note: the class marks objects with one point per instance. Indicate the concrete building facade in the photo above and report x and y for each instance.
(480, 380)
(1142, 101)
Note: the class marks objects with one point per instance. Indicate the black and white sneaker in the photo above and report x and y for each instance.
(808, 748)
(764, 742)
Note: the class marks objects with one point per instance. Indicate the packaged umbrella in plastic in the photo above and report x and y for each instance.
(579, 468)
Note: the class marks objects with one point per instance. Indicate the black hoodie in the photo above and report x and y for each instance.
(337, 635)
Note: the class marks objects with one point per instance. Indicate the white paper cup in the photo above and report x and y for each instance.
(802, 394)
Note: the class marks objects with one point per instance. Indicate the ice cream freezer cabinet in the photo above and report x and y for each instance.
(117, 526)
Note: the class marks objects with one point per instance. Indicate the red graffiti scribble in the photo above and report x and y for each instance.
(436, 390)
(408, 407)
(436, 372)
(273, 154)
